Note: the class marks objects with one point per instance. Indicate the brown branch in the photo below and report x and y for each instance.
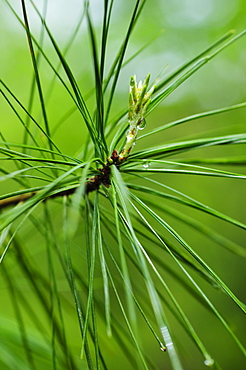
(92, 184)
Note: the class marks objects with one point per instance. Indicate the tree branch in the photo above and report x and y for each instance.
(92, 184)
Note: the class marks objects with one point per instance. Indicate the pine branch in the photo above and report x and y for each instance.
(139, 100)
(92, 184)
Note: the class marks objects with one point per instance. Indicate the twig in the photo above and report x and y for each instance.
(92, 184)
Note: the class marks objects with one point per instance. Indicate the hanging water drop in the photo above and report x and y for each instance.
(142, 124)
(209, 362)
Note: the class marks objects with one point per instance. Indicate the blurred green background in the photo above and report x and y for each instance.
(187, 27)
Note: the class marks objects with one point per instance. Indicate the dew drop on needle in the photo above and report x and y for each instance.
(146, 165)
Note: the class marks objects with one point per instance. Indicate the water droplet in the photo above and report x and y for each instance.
(146, 164)
(209, 362)
(142, 124)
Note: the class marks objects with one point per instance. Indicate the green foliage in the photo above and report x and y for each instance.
(97, 265)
